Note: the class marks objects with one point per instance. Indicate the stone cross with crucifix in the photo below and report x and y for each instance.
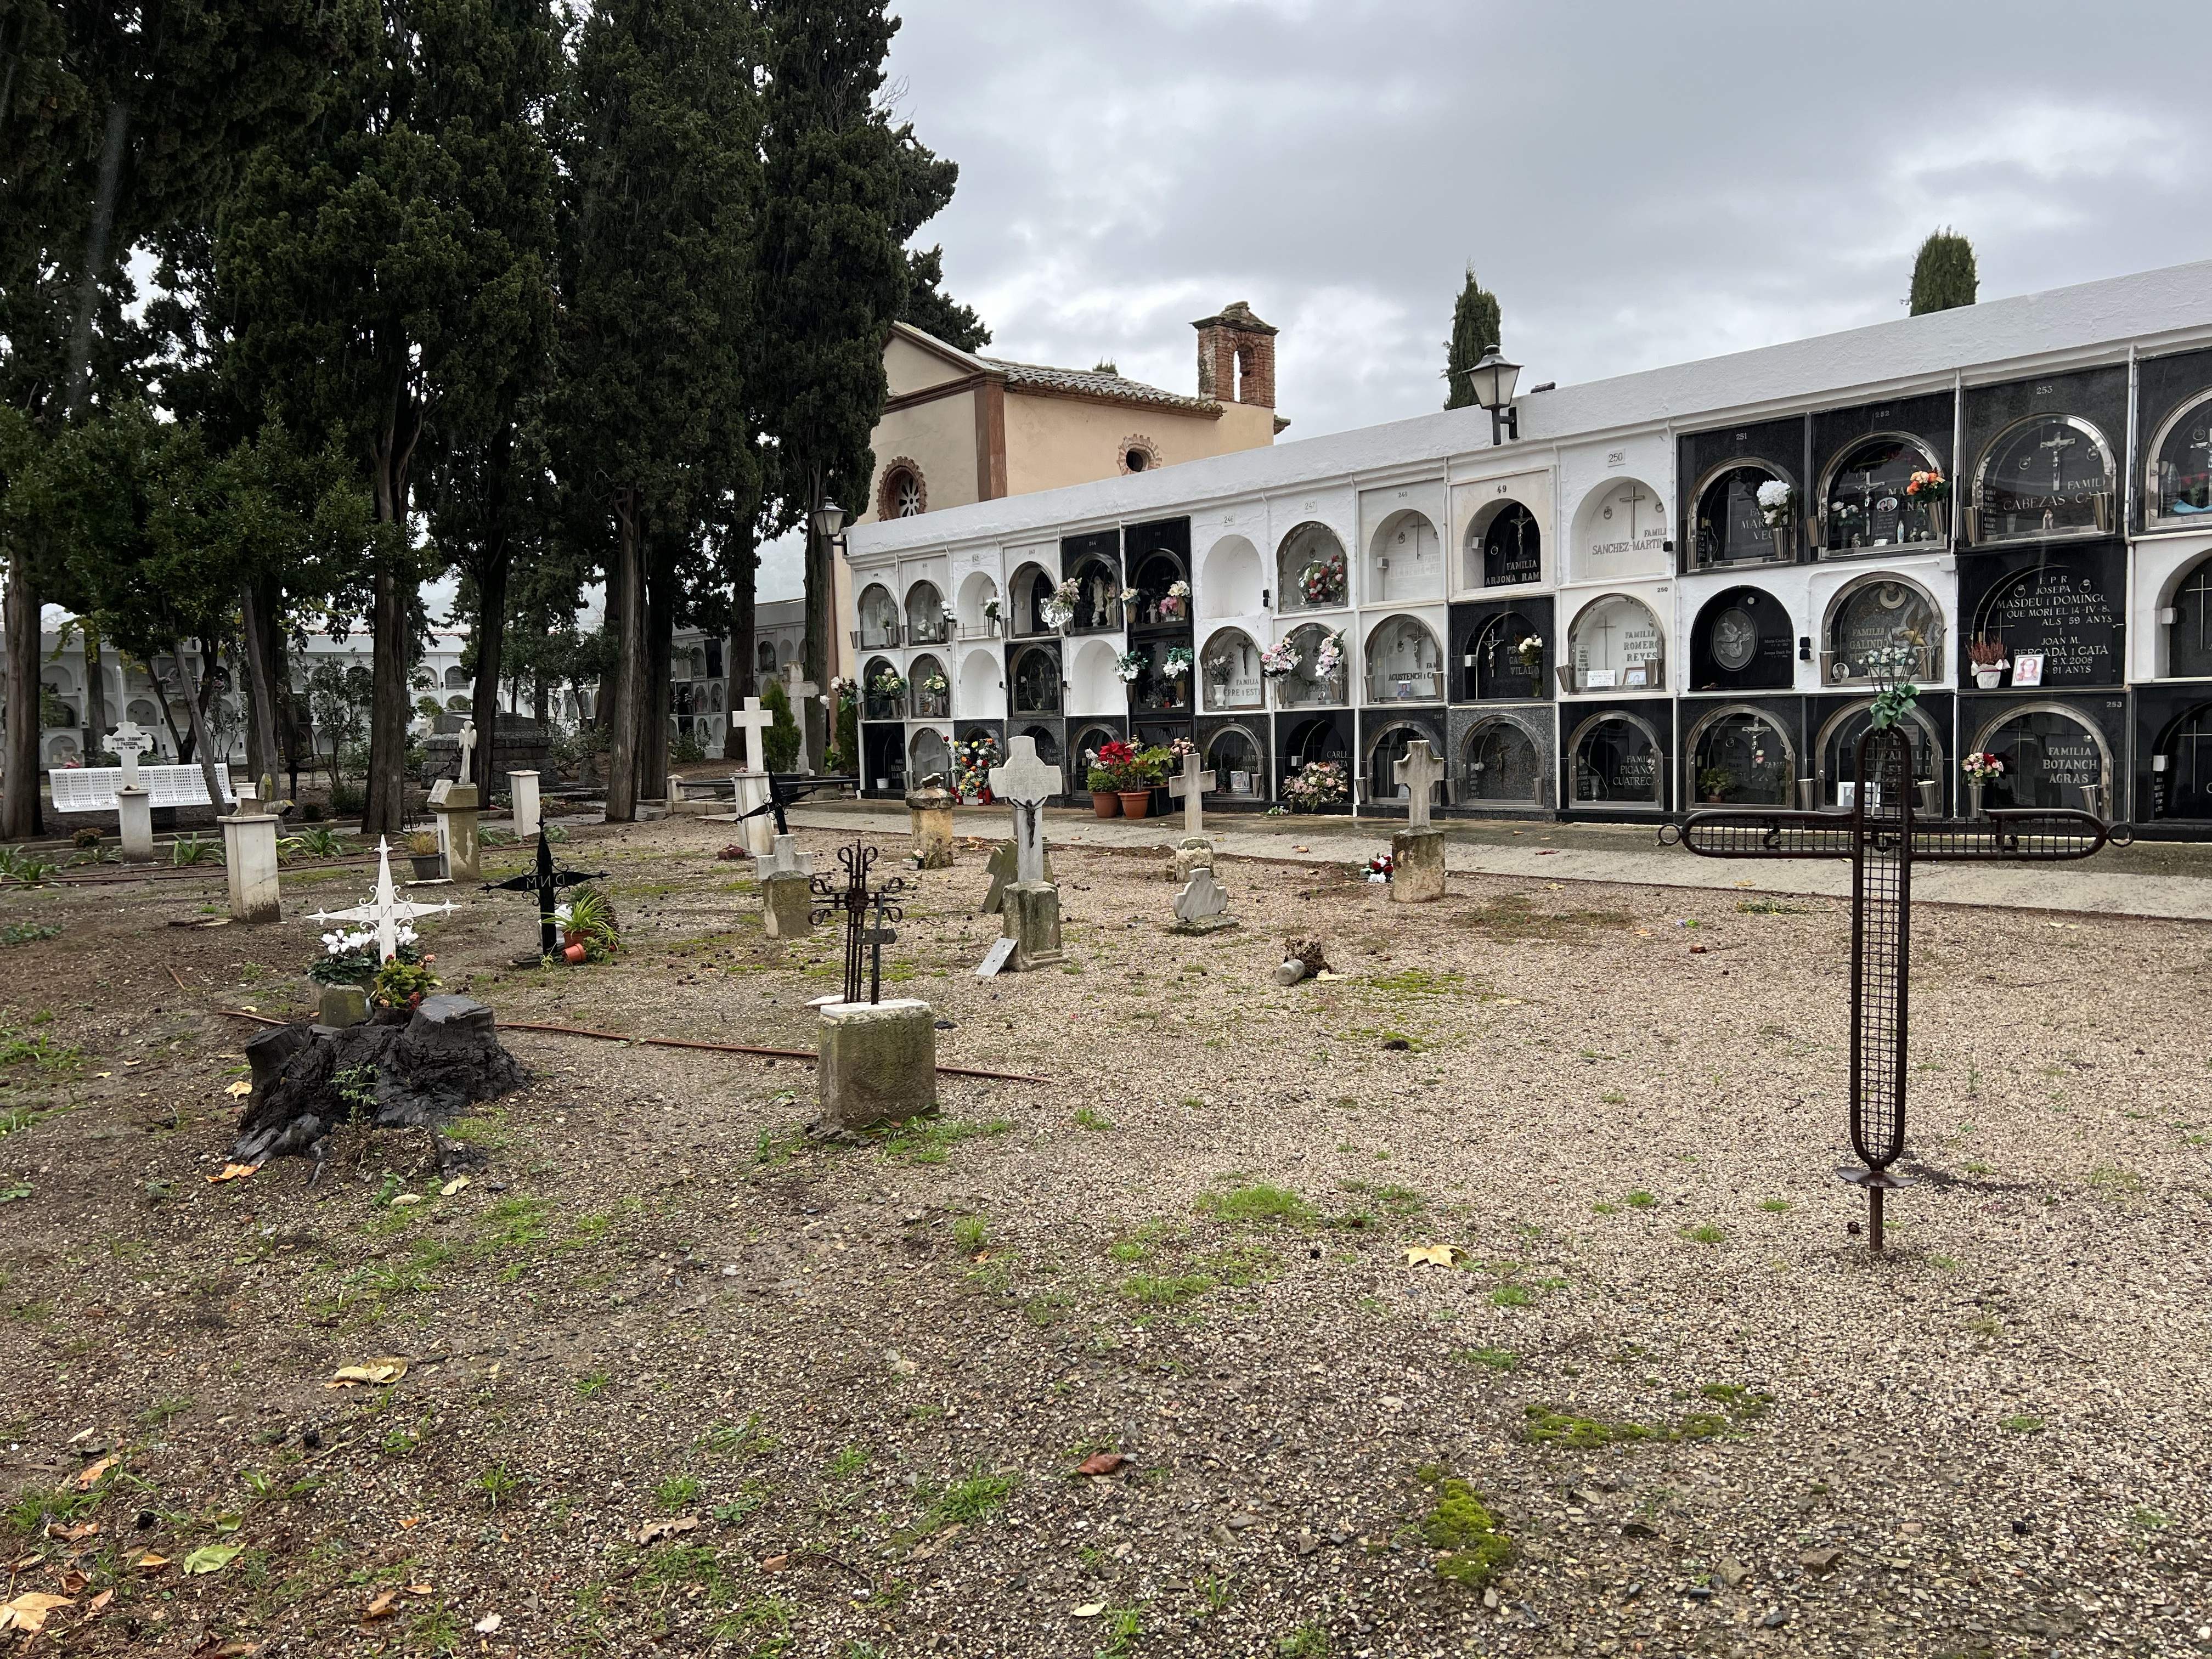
(1031, 904)
(1882, 838)
(546, 883)
(1187, 786)
(130, 742)
(387, 910)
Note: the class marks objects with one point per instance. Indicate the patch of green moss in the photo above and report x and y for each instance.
(1259, 1204)
(1473, 1544)
(1546, 1426)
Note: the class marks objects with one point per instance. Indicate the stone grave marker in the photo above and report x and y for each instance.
(134, 802)
(249, 851)
(1189, 787)
(787, 893)
(385, 910)
(1031, 904)
(999, 866)
(1416, 852)
(878, 1059)
(1202, 905)
(751, 786)
(929, 810)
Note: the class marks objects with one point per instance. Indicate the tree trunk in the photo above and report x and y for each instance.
(610, 625)
(254, 609)
(745, 649)
(19, 817)
(491, 643)
(95, 256)
(202, 741)
(177, 743)
(95, 693)
(659, 702)
(820, 606)
(624, 589)
(384, 811)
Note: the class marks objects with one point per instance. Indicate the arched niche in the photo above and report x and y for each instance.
(1229, 671)
(1317, 739)
(2178, 468)
(1155, 689)
(458, 705)
(1614, 644)
(1153, 576)
(1311, 572)
(1093, 686)
(878, 700)
(1744, 639)
(2181, 767)
(1739, 756)
(1729, 526)
(1618, 760)
(1500, 764)
(979, 605)
(981, 695)
(2043, 477)
(62, 749)
(1835, 751)
(1314, 681)
(764, 657)
(2189, 633)
(457, 679)
(1505, 546)
(926, 700)
(715, 698)
(1405, 560)
(1388, 744)
(2052, 756)
(925, 615)
(879, 618)
(1046, 739)
(1238, 760)
(1031, 587)
(1404, 663)
(929, 754)
(1083, 748)
(142, 714)
(1878, 615)
(1097, 596)
(1033, 680)
(1867, 497)
(1231, 580)
(1621, 529)
(1499, 666)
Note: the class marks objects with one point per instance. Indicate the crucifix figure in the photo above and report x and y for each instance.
(1188, 788)
(546, 883)
(387, 910)
(1026, 783)
(1419, 771)
(130, 742)
(854, 899)
(1881, 838)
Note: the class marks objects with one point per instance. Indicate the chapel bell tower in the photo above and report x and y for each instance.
(1236, 357)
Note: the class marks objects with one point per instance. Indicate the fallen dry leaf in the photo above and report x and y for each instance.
(28, 1612)
(239, 1090)
(71, 1535)
(1432, 1255)
(71, 1582)
(97, 1605)
(374, 1373)
(1101, 1463)
(406, 1521)
(654, 1531)
(1088, 1610)
(150, 1562)
(381, 1608)
(88, 1477)
(233, 1172)
(211, 1557)
(26, 1564)
(422, 1590)
(401, 1200)
(452, 1186)
(775, 1564)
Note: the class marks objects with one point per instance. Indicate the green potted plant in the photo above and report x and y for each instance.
(589, 932)
(1103, 801)
(1715, 781)
(423, 852)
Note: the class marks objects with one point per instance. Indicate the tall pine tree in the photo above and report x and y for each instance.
(1474, 331)
(1943, 274)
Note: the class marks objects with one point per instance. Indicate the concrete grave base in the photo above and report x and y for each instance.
(249, 850)
(135, 807)
(457, 832)
(878, 1064)
(1032, 921)
(785, 902)
(1196, 852)
(1419, 855)
(999, 866)
(930, 812)
(341, 1005)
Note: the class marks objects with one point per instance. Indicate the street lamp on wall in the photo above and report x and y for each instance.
(829, 520)
(1491, 380)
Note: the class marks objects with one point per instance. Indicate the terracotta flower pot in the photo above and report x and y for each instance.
(574, 953)
(1135, 803)
(1105, 803)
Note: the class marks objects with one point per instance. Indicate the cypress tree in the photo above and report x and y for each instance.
(1943, 274)
(1474, 331)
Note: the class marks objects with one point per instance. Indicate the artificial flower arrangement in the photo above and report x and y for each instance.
(349, 957)
(1316, 785)
(1987, 658)
(1531, 651)
(937, 685)
(1887, 667)
(1129, 664)
(990, 611)
(889, 683)
(1176, 606)
(1279, 658)
(972, 761)
(1128, 596)
(1177, 663)
(1776, 501)
(1381, 867)
(1982, 767)
(1113, 766)
(842, 693)
(1060, 609)
(1329, 656)
(1927, 487)
(1322, 582)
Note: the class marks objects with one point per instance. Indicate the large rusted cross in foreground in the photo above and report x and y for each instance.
(1882, 839)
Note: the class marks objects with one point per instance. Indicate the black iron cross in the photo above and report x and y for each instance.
(546, 882)
(1883, 839)
(784, 789)
(855, 898)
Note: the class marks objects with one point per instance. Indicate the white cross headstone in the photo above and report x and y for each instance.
(1419, 771)
(752, 719)
(387, 910)
(1202, 897)
(786, 860)
(130, 742)
(1026, 783)
(468, 750)
(1186, 788)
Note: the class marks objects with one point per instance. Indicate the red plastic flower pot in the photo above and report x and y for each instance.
(1135, 803)
(1105, 803)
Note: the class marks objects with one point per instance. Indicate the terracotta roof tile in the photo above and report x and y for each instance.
(1096, 383)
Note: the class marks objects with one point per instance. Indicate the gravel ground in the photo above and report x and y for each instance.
(1707, 1422)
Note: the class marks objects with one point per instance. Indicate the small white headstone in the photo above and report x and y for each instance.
(130, 742)
(995, 958)
(387, 910)
(1026, 783)
(786, 860)
(1419, 773)
(1202, 897)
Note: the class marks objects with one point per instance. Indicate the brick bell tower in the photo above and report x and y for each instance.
(1236, 357)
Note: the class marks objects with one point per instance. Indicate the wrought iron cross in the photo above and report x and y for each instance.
(545, 882)
(1883, 841)
(854, 899)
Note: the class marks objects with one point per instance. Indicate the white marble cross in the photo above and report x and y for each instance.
(1026, 783)
(786, 860)
(752, 721)
(1186, 788)
(1418, 772)
(468, 749)
(1202, 896)
(131, 742)
(387, 910)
